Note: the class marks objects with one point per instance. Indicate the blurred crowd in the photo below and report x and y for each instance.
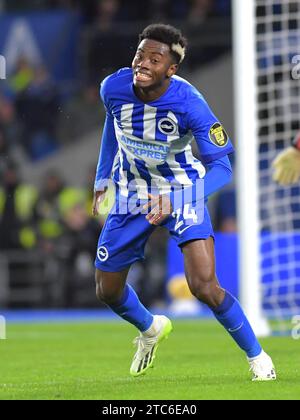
(35, 111)
(49, 237)
(113, 37)
(129, 10)
(50, 228)
(33, 217)
(29, 108)
(48, 232)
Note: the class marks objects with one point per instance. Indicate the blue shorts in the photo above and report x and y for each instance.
(124, 236)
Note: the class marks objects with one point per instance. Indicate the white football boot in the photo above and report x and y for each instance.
(147, 344)
(262, 368)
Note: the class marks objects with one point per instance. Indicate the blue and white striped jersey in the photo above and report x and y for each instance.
(153, 140)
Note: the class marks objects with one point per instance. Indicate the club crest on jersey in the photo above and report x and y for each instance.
(167, 126)
(102, 253)
(218, 135)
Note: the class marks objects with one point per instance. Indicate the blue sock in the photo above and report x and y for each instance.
(131, 309)
(232, 317)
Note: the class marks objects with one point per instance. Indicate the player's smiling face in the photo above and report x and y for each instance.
(152, 65)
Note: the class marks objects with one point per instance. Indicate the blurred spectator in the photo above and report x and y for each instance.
(38, 108)
(8, 126)
(159, 9)
(179, 9)
(4, 152)
(53, 207)
(154, 10)
(17, 202)
(3, 146)
(83, 113)
(22, 76)
(47, 210)
(200, 10)
(107, 14)
(108, 49)
(88, 10)
(76, 250)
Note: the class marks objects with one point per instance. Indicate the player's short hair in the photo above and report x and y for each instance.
(169, 35)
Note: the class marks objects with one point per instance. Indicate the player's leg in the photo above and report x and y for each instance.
(199, 262)
(112, 289)
(121, 243)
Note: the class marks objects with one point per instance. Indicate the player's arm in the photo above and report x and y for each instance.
(213, 143)
(218, 175)
(214, 146)
(108, 150)
(287, 164)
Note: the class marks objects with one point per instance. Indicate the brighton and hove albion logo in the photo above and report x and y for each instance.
(218, 135)
(102, 253)
(167, 126)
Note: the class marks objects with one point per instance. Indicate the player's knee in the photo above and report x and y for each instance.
(203, 293)
(106, 295)
(203, 287)
(105, 291)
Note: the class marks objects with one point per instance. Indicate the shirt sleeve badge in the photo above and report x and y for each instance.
(218, 135)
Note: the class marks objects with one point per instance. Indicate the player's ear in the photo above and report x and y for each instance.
(172, 70)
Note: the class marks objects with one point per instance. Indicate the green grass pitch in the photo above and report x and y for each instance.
(92, 360)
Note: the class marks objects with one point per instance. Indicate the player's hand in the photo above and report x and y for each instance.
(161, 208)
(287, 167)
(98, 198)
